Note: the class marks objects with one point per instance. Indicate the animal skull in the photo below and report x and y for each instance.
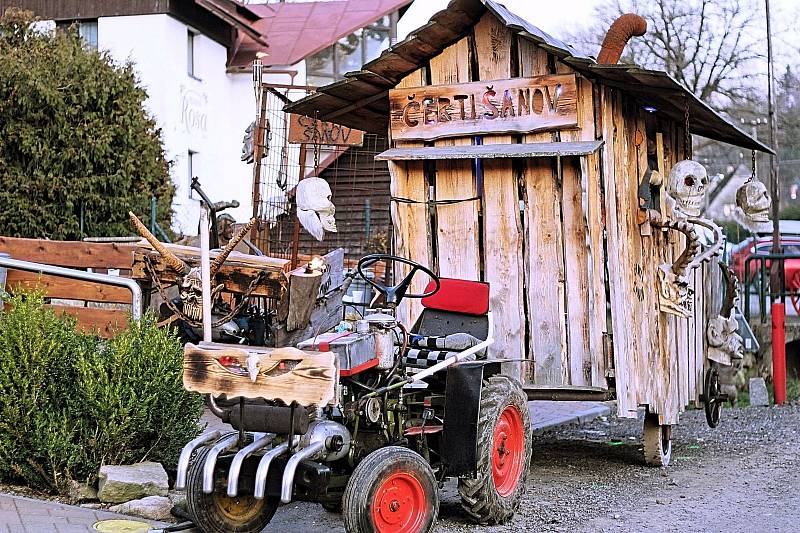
(674, 295)
(191, 293)
(724, 342)
(687, 185)
(314, 207)
(753, 200)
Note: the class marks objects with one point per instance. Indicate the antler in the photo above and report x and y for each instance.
(169, 258)
(223, 255)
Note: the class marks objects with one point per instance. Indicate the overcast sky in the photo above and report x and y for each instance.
(560, 18)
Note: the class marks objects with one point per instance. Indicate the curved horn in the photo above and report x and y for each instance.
(169, 258)
(223, 255)
(714, 247)
(686, 259)
(731, 289)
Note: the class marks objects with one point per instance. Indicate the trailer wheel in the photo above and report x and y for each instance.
(393, 490)
(219, 513)
(504, 453)
(657, 441)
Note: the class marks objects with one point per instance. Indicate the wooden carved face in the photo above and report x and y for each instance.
(687, 185)
(674, 294)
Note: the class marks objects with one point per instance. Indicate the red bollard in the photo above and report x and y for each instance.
(779, 352)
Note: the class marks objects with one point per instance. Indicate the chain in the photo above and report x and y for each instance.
(688, 140)
(318, 141)
(753, 166)
(235, 311)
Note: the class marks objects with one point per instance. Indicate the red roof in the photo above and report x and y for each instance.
(296, 30)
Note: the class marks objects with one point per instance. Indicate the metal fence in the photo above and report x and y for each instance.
(756, 283)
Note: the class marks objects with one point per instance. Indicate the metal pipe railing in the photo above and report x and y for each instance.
(136, 291)
(756, 275)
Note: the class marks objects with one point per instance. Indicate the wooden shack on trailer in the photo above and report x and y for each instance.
(518, 161)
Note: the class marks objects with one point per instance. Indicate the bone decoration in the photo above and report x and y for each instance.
(686, 188)
(314, 207)
(724, 342)
(752, 205)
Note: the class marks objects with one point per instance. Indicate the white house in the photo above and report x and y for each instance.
(193, 57)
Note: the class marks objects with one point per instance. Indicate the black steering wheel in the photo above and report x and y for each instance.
(393, 295)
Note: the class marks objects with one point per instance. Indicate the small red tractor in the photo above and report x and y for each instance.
(410, 409)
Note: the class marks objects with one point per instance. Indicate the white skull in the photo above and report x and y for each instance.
(314, 207)
(687, 184)
(674, 294)
(753, 200)
(724, 342)
(191, 294)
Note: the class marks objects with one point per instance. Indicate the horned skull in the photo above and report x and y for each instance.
(753, 200)
(191, 285)
(674, 295)
(687, 184)
(314, 206)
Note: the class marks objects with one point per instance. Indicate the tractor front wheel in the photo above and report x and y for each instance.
(393, 490)
(219, 513)
(504, 453)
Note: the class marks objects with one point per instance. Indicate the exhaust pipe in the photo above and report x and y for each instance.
(227, 443)
(186, 454)
(291, 467)
(236, 464)
(620, 32)
(263, 468)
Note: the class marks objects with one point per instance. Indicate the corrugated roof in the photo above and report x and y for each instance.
(361, 99)
(296, 30)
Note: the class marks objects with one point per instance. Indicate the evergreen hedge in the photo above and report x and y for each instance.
(71, 402)
(73, 137)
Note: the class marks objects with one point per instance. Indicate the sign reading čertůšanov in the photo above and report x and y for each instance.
(518, 105)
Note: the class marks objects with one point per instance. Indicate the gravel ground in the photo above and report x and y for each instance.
(742, 476)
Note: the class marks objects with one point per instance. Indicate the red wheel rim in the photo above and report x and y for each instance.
(508, 451)
(399, 505)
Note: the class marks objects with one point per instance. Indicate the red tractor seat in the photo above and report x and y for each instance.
(453, 320)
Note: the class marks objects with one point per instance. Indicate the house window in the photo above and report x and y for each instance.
(351, 52)
(190, 36)
(191, 165)
(87, 29)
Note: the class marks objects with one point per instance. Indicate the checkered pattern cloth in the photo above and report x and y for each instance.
(426, 351)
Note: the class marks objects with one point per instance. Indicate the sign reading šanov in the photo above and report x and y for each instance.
(518, 105)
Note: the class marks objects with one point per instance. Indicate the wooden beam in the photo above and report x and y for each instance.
(71, 289)
(72, 254)
(106, 322)
(494, 150)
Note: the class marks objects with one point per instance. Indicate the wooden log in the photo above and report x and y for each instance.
(72, 254)
(303, 292)
(456, 224)
(235, 278)
(326, 314)
(284, 374)
(71, 289)
(105, 322)
(502, 227)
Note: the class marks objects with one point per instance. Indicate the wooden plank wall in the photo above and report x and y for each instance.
(456, 224)
(411, 221)
(544, 260)
(502, 227)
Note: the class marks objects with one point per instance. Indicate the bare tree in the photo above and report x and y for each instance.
(708, 45)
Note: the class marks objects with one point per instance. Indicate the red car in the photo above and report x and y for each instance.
(762, 244)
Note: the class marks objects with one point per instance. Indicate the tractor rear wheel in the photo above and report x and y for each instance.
(219, 513)
(504, 453)
(393, 490)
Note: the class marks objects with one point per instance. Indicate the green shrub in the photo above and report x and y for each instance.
(70, 402)
(75, 140)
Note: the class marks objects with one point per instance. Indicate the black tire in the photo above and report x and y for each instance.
(334, 508)
(218, 513)
(392, 485)
(494, 494)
